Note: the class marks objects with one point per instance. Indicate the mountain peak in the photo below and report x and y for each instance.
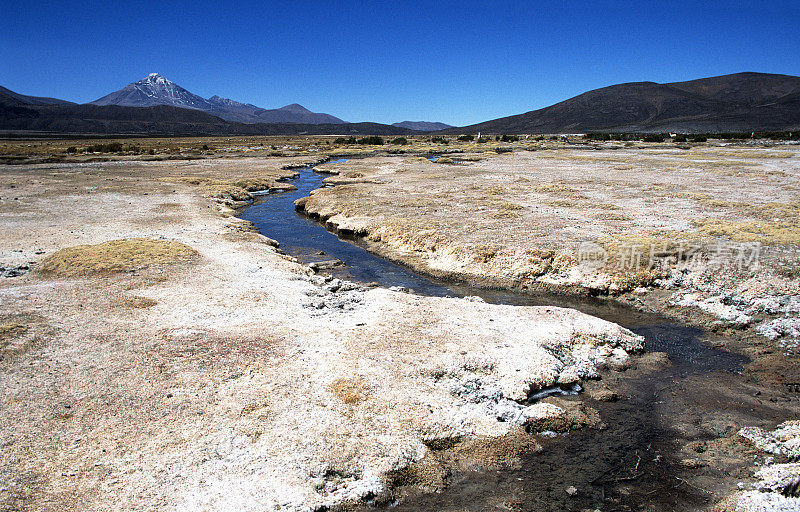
(154, 78)
(295, 107)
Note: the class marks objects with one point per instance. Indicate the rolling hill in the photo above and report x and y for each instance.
(738, 102)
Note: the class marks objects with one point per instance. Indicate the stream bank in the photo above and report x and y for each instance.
(652, 451)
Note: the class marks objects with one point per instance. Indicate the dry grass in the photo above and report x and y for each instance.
(563, 203)
(136, 302)
(116, 256)
(777, 232)
(11, 330)
(612, 216)
(351, 391)
(560, 190)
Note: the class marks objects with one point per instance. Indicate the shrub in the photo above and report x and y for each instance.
(679, 138)
(700, 138)
(597, 136)
(72, 149)
(401, 141)
(372, 140)
(340, 140)
(509, 138)
(205, 147)
(482, 140)
(439, 140)
(466, 138)
(653, 137)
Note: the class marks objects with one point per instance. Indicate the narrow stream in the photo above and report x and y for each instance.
(623, 467)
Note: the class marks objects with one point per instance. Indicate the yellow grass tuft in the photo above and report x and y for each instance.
(778, 232)
(351, 391)
(116, 256)
(11, 330)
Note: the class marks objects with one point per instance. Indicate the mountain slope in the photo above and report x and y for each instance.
(738, 102)
(32, 100)
(154, 90)
(422, 126)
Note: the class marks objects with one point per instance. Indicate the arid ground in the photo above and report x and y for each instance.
(158, 353)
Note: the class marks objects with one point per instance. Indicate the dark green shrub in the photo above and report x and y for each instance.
(401, 141)
(72, 149)
(482, 140)
(679, 138)
(653, 137)
(372, 140)
(699, 138)
(597, 136)
(439, 140)
(111, 147)
(466, 138)
(343, 140)
(509, 138)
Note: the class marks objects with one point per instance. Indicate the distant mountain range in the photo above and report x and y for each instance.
(740, 102)
(422, 126)
(22, 114)
(155, 90)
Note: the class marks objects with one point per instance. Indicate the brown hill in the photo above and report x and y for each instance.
(738, 102)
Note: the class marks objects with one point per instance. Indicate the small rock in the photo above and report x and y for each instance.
(325, 265)
(692, 463)
(572, 490)
(605, 395)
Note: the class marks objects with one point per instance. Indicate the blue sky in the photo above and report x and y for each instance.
(456, 62)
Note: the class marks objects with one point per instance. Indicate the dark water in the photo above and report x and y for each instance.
(623, 467)
(274, 216)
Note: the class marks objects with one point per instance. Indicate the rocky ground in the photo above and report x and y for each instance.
(156, 353)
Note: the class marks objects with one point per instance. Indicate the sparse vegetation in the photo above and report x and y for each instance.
(466, 138)
(123, 255)
(400, 141)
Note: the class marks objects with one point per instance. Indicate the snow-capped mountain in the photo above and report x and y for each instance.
(154, 90)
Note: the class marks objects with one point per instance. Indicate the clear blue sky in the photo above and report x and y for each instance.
(456, 62)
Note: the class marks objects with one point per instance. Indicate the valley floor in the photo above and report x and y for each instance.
(189, 365)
